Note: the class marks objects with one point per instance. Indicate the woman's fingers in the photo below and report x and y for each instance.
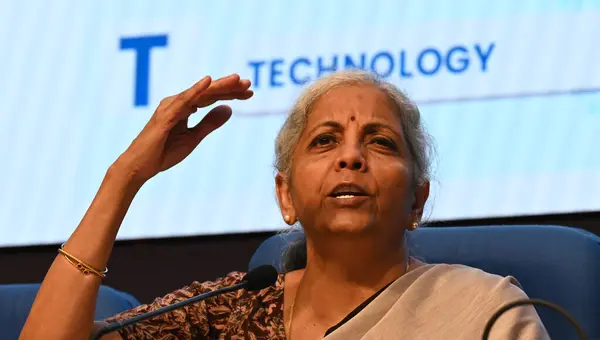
(207, 101)
(222, 88)
(231, 96)
(204, 93)
(175, 108)
(230, 87)
(186, 98)
(225, 84)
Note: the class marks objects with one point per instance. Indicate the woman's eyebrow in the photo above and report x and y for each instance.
(378, 126)
(329, 123)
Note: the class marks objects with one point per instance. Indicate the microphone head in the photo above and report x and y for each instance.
(260, 277)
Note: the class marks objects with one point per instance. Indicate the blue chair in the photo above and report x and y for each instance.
(16, 301)
(557, 264)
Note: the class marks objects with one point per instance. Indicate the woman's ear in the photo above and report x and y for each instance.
(284, 198)
(421, 195)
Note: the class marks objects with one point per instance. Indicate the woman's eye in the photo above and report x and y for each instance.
(384, 142)
(323, 140)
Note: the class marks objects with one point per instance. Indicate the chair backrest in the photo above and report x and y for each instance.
(16, 301)
(557, 264)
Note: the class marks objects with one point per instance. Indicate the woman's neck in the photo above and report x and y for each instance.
(342, 273)
(355, 261)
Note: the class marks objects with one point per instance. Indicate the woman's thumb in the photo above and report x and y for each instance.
(212, 121)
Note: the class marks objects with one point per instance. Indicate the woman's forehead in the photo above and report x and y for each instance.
(360, 103)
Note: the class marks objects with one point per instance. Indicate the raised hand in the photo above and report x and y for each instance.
(166, 139)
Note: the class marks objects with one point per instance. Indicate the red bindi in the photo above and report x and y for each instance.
(352, 118)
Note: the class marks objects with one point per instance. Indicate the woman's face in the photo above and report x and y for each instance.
(351, 170)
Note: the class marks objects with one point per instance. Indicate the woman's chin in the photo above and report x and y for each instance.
(346, 223)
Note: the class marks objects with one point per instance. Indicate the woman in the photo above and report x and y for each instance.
(352, 161)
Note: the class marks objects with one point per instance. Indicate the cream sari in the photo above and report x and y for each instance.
(444, 302)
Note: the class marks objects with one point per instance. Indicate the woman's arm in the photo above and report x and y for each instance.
(65, 304)
(64, 307)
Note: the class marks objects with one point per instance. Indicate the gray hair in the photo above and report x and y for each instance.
(418, 140)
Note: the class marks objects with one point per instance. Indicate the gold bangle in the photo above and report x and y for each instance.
(83, 267)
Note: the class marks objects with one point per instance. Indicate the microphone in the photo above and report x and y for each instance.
(518, 303)
(256, 279)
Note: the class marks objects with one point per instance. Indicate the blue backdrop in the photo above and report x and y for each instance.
(510, 90)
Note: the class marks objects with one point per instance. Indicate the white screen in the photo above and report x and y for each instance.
(510, 91)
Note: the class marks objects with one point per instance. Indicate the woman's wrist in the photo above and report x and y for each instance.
(127, 175)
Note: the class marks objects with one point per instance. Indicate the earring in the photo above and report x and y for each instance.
(289, 220)
(413, 226)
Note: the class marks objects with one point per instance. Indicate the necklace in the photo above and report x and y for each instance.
(296, 295)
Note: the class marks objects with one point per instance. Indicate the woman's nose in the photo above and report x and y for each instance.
(351, 158)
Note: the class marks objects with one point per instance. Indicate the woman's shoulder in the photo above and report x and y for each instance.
(469, 281)
(469, 297)
(231, 279)
(216, 312)
(231, 299)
